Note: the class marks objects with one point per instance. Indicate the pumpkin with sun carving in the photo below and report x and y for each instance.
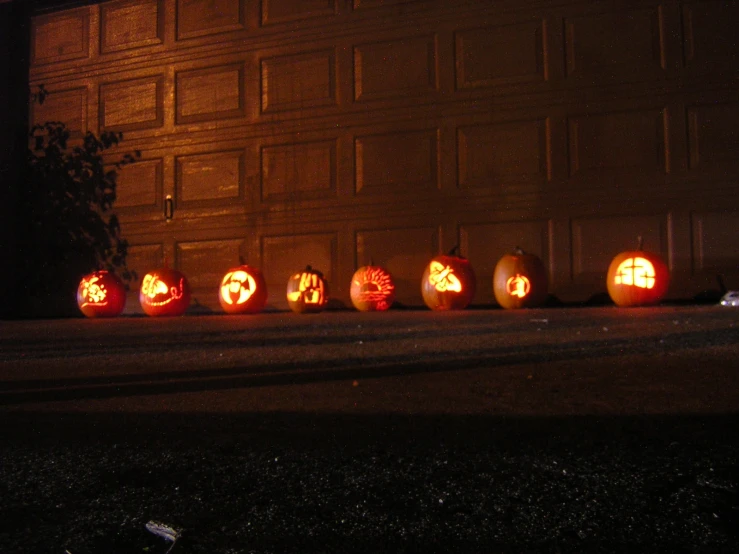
(372, 289)
(448, 282)
(243, 290)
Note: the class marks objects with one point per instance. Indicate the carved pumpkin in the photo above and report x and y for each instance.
(520, 281)
(243, 290)
(307, 291)
(101, 294)
(372, 289)
(448, 283)
(164, 292)
(637, 278)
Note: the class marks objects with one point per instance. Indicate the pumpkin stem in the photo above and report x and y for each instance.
(371, 261)
(454, 251)
(166, 261)
(242, 261)
(640, 242)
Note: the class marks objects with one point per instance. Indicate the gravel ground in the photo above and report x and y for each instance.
(546, 434)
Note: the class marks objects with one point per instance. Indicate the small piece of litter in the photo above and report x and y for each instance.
(162, 530)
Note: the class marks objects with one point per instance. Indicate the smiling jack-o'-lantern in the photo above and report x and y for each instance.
(307, 291)
(372, 289)
(520, 280)
(637, 278)
(164, 292)
(101, 294)
(448, 283)
(243, 290)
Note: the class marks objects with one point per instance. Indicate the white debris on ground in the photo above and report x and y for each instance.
(731, 298)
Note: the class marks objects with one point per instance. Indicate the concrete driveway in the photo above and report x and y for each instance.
(552, 430)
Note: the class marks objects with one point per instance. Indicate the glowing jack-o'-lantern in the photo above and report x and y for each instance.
(448, 283)
(372, 289)
(307, 291)
(520, 280)
(243, 291)
(164, 292)
(101, 294)
(637, 278)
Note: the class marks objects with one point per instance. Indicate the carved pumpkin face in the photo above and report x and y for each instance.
(101, 294)
(307, 291)
(243, 291)
(372, 289)
(164, 292)
(520, 281)
(637, 278)
(448, 283)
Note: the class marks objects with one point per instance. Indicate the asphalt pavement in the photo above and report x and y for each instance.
(551, 430)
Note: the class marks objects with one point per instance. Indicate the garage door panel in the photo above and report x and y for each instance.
(280, 11)
(298, 81)
(397, 162)
(596, 240)
(713, 136)
(485, 243)
(501, 55)
(208, 17)
(132, 105)
(208, 94)
(614, 44)
(68, 106)
(715, 244)
(709, 30)
(504, 152)
(392, 68)
(139, 186)
(128, 24)
(403, 252)
(298, 170)
(61, 37)
(207, 180)
(618, 142)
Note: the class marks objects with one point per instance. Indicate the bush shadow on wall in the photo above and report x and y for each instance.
(68, 228)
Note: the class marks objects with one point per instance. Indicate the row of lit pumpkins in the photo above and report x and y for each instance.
(635, 278)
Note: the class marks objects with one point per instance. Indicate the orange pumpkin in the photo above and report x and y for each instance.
(307, 291)
(520, 280)
(243, 290)
(448, 282)
(101, 294)
(372, 289)
(637, 278)
(164, 292)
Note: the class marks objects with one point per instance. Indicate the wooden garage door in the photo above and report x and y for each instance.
(332, 132)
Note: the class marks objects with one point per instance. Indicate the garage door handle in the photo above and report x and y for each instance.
(168, 207)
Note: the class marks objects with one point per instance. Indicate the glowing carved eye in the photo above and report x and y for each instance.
(637, 272)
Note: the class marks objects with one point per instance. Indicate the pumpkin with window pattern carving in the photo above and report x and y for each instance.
(243, 290)
(520, 280)
(637, 278)
(372, 289)
(101, 294)
(164, 292)
(307, 291)
(448, 282)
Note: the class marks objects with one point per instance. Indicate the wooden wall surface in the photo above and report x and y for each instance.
(332, 132)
